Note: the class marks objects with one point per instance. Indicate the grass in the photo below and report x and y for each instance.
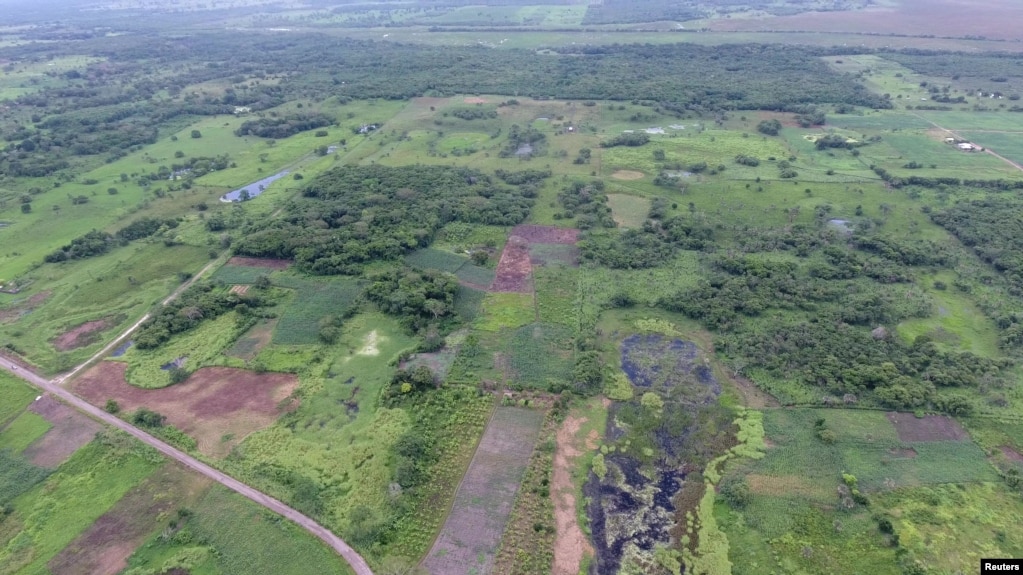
(249, 539)
(84, 487)
(710, 146)
(557, 300)
(15, 395)
(506, 310)
(628, 211)
(957, 323)
(432, 258)
(201, 346)
(121, 285)
(25, 429)
(1006, 144)
(314, 299)
(17, 475)
(541, 356)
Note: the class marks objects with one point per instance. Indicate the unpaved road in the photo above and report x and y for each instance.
(958, 137)
(358, 564)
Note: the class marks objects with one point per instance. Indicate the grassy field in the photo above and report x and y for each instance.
(14, 396)
(22, 431)
(200, 347)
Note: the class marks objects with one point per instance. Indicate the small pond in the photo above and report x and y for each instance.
(254, 189)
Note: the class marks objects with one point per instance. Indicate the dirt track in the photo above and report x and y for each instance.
(358, 564)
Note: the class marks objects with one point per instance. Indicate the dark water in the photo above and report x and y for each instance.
(122, 349)
(176, 363)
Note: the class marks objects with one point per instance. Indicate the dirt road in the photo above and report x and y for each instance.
(358, 564)
(958, 137)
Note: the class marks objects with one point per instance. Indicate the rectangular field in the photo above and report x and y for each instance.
(472, 532)
(313, 300)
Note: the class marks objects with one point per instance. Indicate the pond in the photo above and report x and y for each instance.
(254, 189)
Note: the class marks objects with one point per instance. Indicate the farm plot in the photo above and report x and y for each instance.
(514, 271)
(628, 211)
(218, 406)
(84, 334)
(69, 432)
(468, 274)
(470, 536)
(104, 548)
(247, 346)
(540, 356)
(313, 300)
(14, 396)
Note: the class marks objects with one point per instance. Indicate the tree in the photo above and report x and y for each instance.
(196, 134)
(112, 406)
(26, 208)
(147, 418)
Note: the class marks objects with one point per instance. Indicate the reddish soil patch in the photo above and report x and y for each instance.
(954, 18)
(82, 335)
(514, 270)
(570, 544)
(267, 263)
(240, 289)
(927, 428)
(1011, 454)
(104, 548)
(71, 430)
(218, 406)
(546, 234)
(475, 100)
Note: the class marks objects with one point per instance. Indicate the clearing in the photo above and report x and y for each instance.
(82, 335)
(71, 430)
(472, 532)
(927, 428)
(627, 175)
(218, 406)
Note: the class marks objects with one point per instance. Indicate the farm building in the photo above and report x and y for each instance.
(967, 147)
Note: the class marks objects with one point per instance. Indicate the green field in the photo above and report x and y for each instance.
(312, 301)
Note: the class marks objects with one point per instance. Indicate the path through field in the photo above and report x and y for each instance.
(472, 532)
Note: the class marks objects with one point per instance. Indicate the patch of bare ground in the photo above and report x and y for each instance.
(218, 406)
(268, 263)
(104, 548)
(1011, 454)
(570, 545)
(752, 396)
(627, 175)
(71, 430)
(240, 289)
(469, 539)
(546, 234)
(475, 100)
(514, 270)
(927, 428)
(81, 335)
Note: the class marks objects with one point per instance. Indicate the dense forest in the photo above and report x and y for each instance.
(356, 214)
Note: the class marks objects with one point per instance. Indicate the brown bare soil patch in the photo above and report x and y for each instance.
(784, 485)
(570, 544)
(627, 175)
(267, 263)
(546, 234)
(475, 100)
(218, 406)
(240, 289)
(81, 335)
(514, 270)
(998, 19)
(469, 539)
(927, 428)
(902, 452)
(1011, 454)
(104, 548)
(71, 430)
(752, 396)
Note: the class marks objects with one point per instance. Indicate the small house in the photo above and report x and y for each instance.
(966, 147)
(950, 140)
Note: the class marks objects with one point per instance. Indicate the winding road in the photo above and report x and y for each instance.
(357, 563)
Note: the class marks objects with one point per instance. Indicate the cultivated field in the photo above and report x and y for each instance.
(470, 536)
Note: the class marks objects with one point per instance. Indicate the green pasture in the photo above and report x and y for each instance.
(882, 120)
(83, 488)
(15, 395)
(628, 211)
(506, 310)
(201, 347)
(119, 287)
(18, 78)
(239, 275)
(337, 435)
(957, 322)
(557, 298)
(713, 147)
(1006, 144)
(22, 431)
(966, 120)
(313, 299)
(948, 159)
